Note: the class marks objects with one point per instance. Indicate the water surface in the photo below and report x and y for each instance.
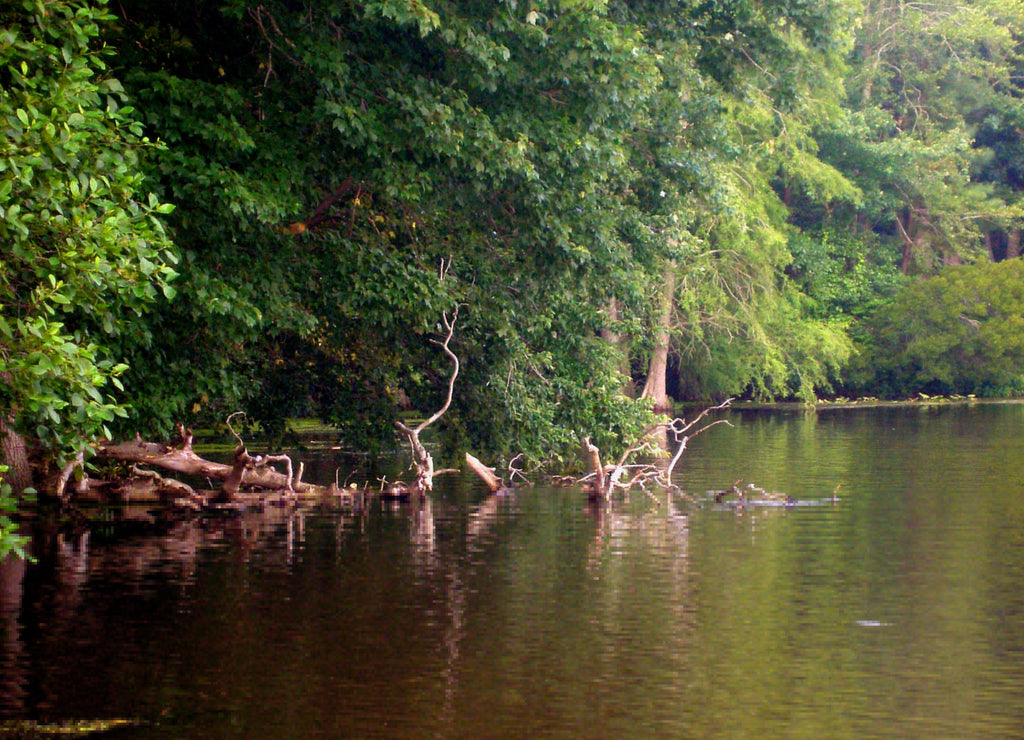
(897, 611)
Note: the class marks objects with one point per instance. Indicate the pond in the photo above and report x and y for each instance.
(896, 611)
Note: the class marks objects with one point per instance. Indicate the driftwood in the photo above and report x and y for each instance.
(256, 472)
(484, 473)
(246, 471)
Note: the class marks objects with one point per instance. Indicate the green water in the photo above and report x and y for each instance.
(897, 611)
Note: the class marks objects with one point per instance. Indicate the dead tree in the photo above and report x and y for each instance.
(603, 480)
(422, 460)
(684, 431)
(245, 470)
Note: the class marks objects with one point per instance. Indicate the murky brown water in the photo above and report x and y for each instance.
(896, 613)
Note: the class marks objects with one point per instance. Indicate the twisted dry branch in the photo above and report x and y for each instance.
(422, 459)
(603, 480)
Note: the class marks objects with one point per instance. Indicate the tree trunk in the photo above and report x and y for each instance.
(619, 342)
(656, 386)
(1013, 244)
(906, 227)
(14, 454)
(990, 245)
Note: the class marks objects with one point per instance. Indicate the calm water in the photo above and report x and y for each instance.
(897, 612)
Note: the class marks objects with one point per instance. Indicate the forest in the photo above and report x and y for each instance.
(278, 207)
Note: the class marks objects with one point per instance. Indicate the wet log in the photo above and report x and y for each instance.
(185, 461)
(484, 473)
(599, 484)
(241, 462)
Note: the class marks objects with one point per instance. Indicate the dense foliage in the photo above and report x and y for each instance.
(84, 251)
(718, 197)
(10, 539)
(961, 332)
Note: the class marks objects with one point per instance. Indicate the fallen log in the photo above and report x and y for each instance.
(185, 461)
(142, 486)
(484, 473)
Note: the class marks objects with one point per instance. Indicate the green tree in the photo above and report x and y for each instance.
(751, 83)
(921, 78)
(928, 137)
(347, 172)
(960, 332)
(85, 252)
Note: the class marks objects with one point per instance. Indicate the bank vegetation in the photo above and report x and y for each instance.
(278, 207)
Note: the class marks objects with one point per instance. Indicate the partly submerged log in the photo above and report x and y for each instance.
(141, 487)
(484, 473)
(598, 485)
(185, 461)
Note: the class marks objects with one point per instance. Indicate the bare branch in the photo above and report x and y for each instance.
(422, 460)
(513, 471)
(603, 480)
(679, 429)
(292, 479)
(642, 444)
(450, 326)
(232, 429)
